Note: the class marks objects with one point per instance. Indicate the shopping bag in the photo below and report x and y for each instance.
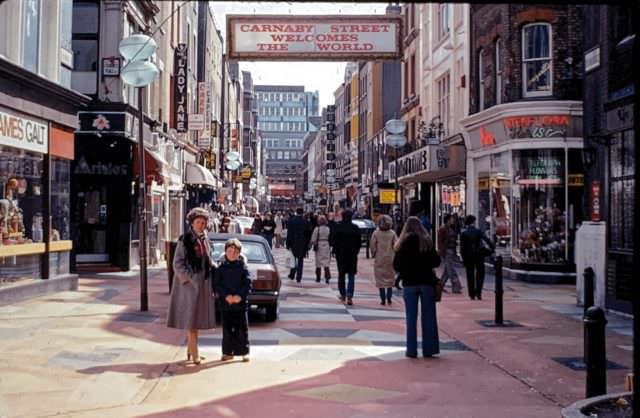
(290, 260)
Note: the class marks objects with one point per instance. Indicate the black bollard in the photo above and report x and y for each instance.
(588, 288)
(595, 357)
(497, 266)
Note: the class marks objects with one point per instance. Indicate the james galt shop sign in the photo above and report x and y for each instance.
(343, 38)
(21, 132)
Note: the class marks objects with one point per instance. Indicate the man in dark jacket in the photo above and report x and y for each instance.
(298, 236)
(473, 252)
(345, 240)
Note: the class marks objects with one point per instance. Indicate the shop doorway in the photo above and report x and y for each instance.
(92, 212)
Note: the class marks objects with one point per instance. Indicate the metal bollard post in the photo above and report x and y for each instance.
(588, 288)
(595, 357)
(497, 266)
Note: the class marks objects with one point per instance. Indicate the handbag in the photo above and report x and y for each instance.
(485, 250)
(290, 260)
(315, 246)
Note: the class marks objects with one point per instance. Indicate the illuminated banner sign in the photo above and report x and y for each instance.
(325, 38)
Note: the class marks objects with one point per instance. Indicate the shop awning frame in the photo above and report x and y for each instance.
(195, 174)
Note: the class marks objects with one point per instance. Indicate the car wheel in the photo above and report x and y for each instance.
(272, 312)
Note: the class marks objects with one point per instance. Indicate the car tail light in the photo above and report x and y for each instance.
(266, 280)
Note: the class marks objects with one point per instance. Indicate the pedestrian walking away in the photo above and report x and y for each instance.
(320, 245)
(345, 240)
(278, 229)
(474, 247)
(298, 235)
(383, 240)
(232, 284)
(447, 242)
(256, 226)
(268, 228)
(414, 260)
(191, 304)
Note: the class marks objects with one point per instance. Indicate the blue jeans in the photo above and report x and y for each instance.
(425, 294)
(385, 293)
(350, 284)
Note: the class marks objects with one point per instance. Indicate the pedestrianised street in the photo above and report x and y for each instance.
(88, 353)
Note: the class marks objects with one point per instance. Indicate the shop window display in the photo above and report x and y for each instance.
(540, 233)
(60, 183)
(20, 197)
(494, 198)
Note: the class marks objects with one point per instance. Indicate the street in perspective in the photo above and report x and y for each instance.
(298, 209)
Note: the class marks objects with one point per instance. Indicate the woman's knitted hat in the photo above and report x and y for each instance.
(197, 213)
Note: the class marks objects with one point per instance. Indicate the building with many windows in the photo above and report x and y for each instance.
(524, 135)
(283, 113)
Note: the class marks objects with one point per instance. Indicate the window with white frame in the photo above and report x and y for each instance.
(498, 67)
(481, 85)
(444, 93)
(536, 59)
(443, 20)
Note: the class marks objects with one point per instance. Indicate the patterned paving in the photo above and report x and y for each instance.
(313, 325)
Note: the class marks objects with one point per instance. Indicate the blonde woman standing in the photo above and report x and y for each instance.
(191, 305)
(382, 242)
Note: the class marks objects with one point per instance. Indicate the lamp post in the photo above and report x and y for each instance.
(139, 72)
(395, 129)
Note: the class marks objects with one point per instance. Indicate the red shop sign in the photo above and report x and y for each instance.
(595, 201)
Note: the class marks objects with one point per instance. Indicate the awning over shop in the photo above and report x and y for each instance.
(429, 164)
(197, 174)
(155, 167)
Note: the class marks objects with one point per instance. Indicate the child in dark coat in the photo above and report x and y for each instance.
(232, 284)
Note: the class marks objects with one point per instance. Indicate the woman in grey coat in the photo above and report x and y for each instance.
(191, 305)
(320, 245)
(381, 246)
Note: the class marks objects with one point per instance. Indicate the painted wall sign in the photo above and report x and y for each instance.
(99, 168)
(180, 106)
(23, 132)
(341, 38)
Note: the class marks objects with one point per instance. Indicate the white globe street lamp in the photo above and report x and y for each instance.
(137, 47)
(138, 72)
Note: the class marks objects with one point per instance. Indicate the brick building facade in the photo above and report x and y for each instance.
(524, 135)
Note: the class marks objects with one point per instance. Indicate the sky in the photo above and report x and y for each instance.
(325, 77)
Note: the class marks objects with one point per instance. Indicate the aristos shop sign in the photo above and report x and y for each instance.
(299, 38)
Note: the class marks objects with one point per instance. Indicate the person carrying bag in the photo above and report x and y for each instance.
(414, 260)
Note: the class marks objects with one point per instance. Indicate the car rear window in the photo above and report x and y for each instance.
(253, 251)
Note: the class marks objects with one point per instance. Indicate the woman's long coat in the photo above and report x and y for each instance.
(381, 247)
(320, 236)
(191, 304)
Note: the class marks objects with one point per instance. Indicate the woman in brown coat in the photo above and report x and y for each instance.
(381, 246)
(191, 305)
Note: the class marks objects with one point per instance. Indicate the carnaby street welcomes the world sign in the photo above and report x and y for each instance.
(326, 38)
